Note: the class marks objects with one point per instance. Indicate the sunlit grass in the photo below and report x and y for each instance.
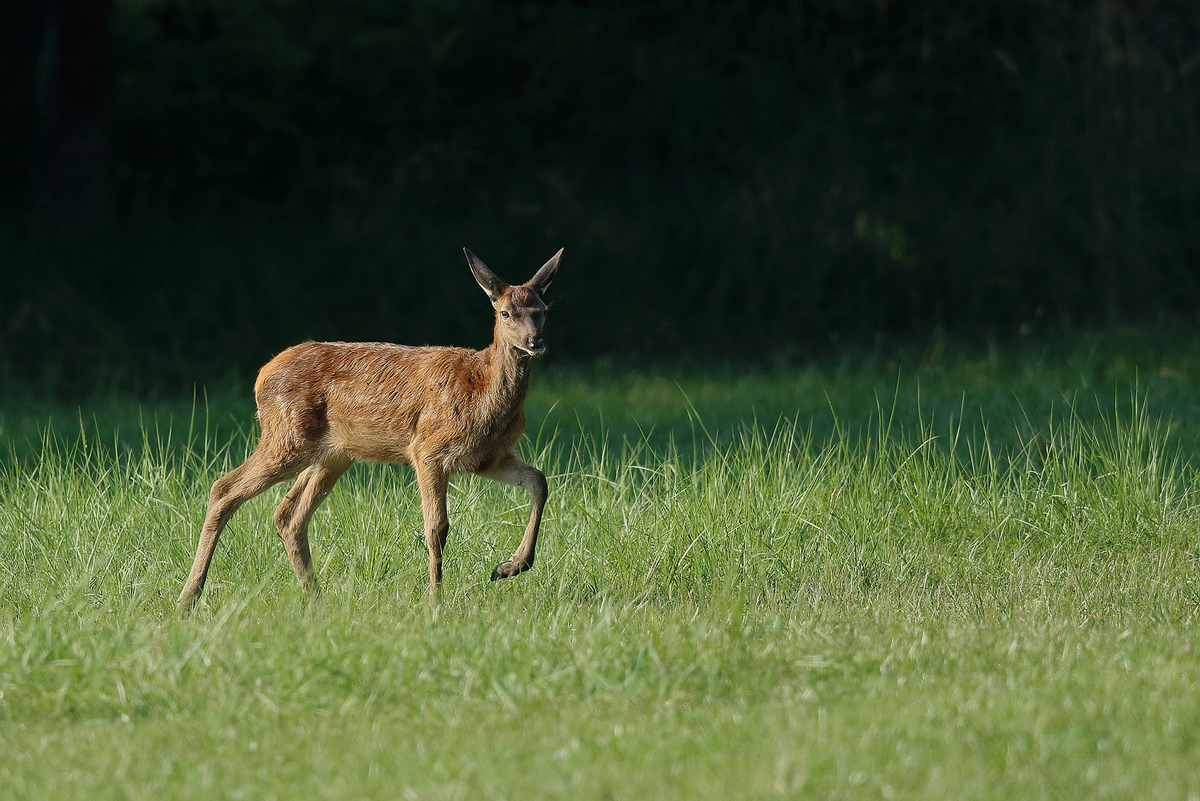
(982, 593)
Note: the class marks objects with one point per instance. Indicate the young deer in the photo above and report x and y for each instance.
(324, 405)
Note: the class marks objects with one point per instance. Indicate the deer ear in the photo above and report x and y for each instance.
(541, 281)
(492, 285)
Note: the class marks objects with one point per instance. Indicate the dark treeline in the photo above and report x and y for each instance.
(730, 180)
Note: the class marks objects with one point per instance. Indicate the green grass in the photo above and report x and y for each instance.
(978, 581)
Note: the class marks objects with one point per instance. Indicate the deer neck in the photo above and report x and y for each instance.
(508, 369)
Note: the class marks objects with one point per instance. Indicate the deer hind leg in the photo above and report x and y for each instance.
(511, 470)
(262, 470)
(433, 482)
(297, 508)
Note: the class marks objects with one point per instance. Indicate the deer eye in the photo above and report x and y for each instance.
(504, 314)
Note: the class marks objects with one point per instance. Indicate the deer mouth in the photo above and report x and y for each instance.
(528, 350)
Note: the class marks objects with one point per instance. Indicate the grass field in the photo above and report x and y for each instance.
(970, 577)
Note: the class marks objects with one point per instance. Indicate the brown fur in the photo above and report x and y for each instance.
(324, 405)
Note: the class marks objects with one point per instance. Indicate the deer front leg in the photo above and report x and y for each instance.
(433, 482)
(511, 470)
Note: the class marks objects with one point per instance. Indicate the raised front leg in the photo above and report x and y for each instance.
(511, 470)
(433, 482)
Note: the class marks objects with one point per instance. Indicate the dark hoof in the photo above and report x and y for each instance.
(507, 569)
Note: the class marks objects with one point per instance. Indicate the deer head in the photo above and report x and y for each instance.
(520, 311)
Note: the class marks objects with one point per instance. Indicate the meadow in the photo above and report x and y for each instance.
(959, 575)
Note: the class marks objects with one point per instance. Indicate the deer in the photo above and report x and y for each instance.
(322, 406)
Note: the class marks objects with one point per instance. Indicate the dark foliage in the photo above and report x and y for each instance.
(727, 178)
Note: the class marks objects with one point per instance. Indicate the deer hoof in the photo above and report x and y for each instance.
(185, 605)
(507, 569)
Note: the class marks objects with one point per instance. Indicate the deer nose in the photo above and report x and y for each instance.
(537, 342)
